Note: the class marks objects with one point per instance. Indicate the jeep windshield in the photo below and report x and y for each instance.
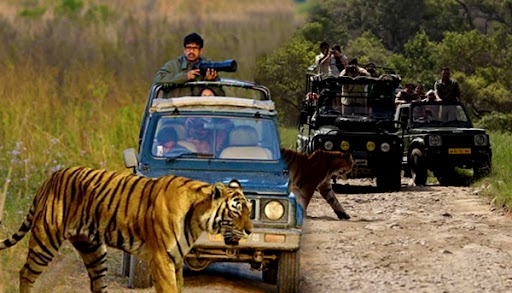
(437, 115)
(215, 137)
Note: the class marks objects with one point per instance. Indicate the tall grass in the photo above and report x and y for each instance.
(500, 185)
(288, 137)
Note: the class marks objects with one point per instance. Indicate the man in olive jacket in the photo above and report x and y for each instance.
(180, 70)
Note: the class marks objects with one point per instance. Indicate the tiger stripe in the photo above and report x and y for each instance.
(314, 172)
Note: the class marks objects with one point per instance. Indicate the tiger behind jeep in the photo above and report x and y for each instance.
(314, 172)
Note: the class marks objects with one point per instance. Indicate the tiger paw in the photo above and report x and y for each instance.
(342, 215)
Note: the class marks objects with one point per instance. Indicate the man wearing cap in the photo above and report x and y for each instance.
(180, 70)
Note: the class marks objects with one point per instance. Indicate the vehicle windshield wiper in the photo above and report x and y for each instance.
(190, 155)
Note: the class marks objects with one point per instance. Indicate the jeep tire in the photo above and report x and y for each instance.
(140, 276)
(389, 179)
(447, 176)
(482, 167)
(270, 274)
(288, 272)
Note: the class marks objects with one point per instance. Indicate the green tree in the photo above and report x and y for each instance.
(283, 71)
(368, 48)
(416, 63)
(330, 15)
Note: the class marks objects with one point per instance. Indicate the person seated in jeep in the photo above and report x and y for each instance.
(418, 114)
(167, 143)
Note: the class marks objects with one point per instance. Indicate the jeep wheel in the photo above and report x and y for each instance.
(482, 168)
(288, 272)
(140, 276)
(125, 264)
(270, 274)
(418, 167)
(197, 264)
(389, 180)
(447, 176)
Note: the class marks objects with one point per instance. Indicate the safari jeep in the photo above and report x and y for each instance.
(354, 114)
(220, 138)
(440, 137)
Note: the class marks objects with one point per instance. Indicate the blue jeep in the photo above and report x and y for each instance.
(220, 138)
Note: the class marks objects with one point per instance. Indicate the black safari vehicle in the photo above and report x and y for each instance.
(231, 135)
(354, 114)
(440, 137)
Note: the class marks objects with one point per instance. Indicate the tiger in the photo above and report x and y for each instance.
(314, 172)
(156, 219)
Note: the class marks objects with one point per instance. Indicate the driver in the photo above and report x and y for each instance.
(418, 115)
(167, 139)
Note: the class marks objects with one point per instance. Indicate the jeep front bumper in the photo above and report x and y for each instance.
(259, 239)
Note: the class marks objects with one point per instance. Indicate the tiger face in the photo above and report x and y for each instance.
(234, 214)
(339, 163)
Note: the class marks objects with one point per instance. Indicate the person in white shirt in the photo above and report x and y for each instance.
(329, 60)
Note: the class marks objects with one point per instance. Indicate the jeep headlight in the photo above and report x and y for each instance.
(385, 147)
(328, 145)
(434, 140)
(370, 146)
(480, 139)
(274, 210)
(344, 145)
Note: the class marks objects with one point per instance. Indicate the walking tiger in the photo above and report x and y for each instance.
(309, 173)
(156, 219)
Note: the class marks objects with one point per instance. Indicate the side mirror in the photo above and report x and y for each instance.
(130, 158)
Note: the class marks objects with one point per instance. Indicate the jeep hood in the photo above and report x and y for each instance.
(449, 130)
(252, 182)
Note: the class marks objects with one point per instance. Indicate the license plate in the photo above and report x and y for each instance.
(459, 151)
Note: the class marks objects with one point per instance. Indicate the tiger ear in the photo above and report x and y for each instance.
(217, 190)
(235, 184)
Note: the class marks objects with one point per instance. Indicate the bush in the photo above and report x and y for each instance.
(498, 122)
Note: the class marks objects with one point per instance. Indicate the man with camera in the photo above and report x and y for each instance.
(330, 60)
(182, 69)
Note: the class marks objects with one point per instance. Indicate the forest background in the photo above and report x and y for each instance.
(74, 74)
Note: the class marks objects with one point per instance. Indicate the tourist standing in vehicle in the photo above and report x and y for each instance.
(326, 61)
(340, 60)
(407, 95)
(420, 91)
(180, 70)
(370, 67)
(447, 89)
(430, 96)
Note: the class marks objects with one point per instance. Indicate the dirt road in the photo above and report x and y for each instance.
(422, 239)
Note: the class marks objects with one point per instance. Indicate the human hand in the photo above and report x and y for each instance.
(192, 74)
(211, 74)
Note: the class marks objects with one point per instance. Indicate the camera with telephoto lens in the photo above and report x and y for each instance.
(226, 66)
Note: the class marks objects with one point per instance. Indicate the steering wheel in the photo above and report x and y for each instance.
(176, 151)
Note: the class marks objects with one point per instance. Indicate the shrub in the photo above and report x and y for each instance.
(498, 122)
